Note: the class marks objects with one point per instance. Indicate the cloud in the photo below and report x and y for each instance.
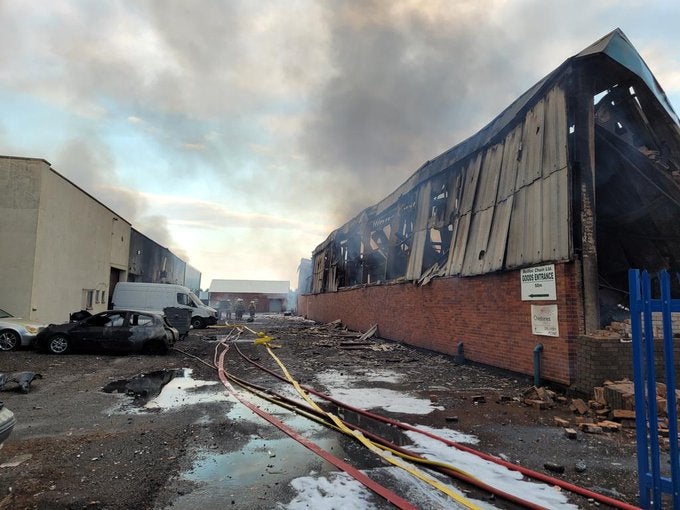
(203, 214)
(412, 79)
(89, 164)
(408, 84)
(279, 121)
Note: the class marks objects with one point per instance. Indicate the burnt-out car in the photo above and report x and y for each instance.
(113, 330)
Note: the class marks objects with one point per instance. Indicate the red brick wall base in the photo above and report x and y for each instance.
(486, 313)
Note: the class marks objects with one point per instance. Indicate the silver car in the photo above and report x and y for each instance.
(7, 422)
(15, 331)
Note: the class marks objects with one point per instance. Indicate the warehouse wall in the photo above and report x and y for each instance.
(485, 312)
(78, 241)
(20, 182)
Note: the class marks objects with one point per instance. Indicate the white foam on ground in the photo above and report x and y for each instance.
(423, 495)
(339, 387)
(339, 491)
(451, 435)
(490, 472)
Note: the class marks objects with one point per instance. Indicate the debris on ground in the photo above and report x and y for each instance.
(23, 379)
(539, 397)
(370, 333)
(554, 467)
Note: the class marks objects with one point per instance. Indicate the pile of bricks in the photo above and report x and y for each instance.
(613, 408)
(623, 328)
(620, 328)
(610, 410)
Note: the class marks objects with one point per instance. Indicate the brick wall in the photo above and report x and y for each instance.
(485, 312)
(599, 359)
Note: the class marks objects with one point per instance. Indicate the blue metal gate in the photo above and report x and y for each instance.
(659, 482)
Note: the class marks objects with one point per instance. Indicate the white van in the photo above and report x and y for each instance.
(155, 297)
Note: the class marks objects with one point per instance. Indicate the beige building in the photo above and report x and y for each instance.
(62, 250)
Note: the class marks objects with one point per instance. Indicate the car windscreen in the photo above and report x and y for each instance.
(4, 314)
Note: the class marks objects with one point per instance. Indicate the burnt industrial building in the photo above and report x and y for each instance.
(517, 241)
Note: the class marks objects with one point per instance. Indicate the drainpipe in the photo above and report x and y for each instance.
(537, 364)
(459, 358)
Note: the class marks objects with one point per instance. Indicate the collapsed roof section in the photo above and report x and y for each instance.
(509, 197)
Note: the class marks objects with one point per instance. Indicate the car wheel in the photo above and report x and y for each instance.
(198, 322)
(58, 344)
(9, 340)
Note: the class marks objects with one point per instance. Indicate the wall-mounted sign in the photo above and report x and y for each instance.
(538, 283)
(544, 320)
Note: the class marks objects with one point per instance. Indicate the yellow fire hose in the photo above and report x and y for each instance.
(385, 453)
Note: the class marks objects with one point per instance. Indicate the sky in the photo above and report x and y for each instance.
(239, 134)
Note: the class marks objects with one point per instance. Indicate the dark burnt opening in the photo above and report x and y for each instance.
(638, 193)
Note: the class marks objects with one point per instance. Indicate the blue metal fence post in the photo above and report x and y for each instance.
(650, 390)
(671, 401)
(638, 380)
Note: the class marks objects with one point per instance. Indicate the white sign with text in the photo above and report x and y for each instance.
(544, 320)
(538, 283)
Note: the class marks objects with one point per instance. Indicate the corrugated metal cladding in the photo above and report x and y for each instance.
(501, 206)
(514, 207)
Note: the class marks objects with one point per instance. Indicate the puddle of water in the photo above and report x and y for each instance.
(261, 466)
(304, 426)
(144, 386)
(272, 458)
(165, 390)
(185, 391)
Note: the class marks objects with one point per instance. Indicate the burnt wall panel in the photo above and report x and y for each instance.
(487, 187)
(478, 240)
(531, 159)
(495, 252)
(511, 154)
(149, 262)
(459, 244)
(555, 132)
(416, 257)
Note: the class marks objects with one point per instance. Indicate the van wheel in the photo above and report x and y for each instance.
(198, 322)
